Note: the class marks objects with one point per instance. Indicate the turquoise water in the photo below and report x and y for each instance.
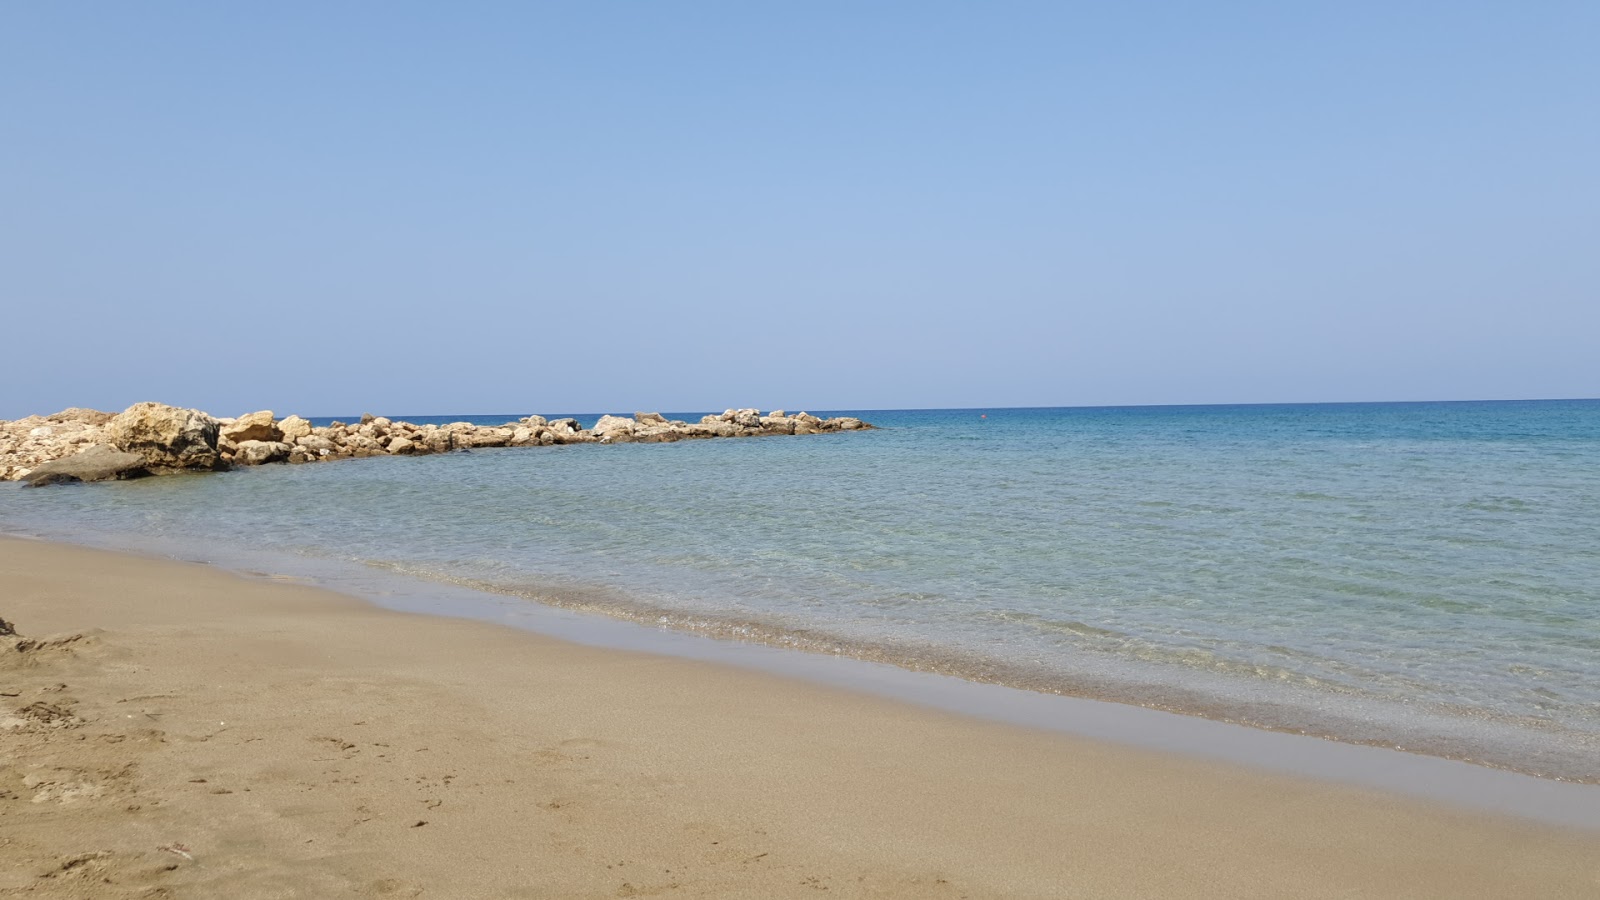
(1423, 575)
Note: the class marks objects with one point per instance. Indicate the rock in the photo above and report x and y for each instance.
(98, 463)
(366, 418)
(168, 437)
(82, 416)
(293, 428)
(363, 445)
(714, 428)
(314, 443)
(484, 437)
(256, 426)
(612, 425)
(255, 453)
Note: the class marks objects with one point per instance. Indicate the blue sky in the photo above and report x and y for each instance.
(433, 208)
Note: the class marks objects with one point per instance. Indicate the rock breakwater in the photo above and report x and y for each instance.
(156, 439)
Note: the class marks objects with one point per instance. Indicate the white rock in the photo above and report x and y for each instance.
(613, 425)
(294, 428)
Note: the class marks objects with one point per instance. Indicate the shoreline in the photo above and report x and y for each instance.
(1354, 723)
(1320, 744)
(744, 555)
(1466, 785)
(215, 733)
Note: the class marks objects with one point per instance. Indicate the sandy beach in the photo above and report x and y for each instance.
(174, 730)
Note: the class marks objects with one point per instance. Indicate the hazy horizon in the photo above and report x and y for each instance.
(349, 415)
(610, 206)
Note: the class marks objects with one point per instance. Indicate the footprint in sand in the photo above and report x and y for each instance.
(62, 788)
(45, 715)
(571, 750)
(390, 887)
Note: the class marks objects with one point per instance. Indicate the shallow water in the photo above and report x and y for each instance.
(1421, 575)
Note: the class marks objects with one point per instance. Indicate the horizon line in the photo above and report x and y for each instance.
(863, 409)
(1002, 408)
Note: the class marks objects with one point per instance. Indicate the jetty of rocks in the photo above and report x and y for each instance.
(156, 439)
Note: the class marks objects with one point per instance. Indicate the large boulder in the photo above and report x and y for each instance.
(255, 453)
(82, 416)
(294, 428)
(609, 424)
(256, 426)
(98, 463)
(168, 437)
(614, 430)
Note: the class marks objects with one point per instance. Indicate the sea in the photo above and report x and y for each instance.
(1424, 576)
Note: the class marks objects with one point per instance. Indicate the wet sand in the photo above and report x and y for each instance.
(172, 730)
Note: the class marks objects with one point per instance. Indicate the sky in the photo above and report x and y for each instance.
(335, 207)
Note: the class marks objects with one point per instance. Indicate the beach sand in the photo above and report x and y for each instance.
(173, 730)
